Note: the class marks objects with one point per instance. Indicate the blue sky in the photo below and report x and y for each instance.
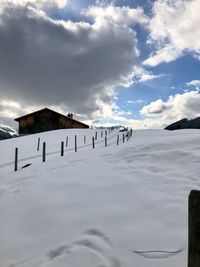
(135, 63)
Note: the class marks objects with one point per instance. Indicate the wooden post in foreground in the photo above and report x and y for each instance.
(194, 229)
(123, 138)
(16, 158)
(117, 140)
(62, 149)
(44, 152)
(75, 143)
(38, 145)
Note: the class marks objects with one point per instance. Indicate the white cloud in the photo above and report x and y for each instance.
(117, 15)
(138, 101)
(64, 63)
(36, 3)
(159, 113)
(155, 108)
(165, 54)
(186, 105)
(142, 75)
(195, 83)
(174, 30)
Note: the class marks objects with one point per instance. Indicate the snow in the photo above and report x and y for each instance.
(110, 206)
(6, 132)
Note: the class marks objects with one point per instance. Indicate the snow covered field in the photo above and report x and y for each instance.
(115, 206)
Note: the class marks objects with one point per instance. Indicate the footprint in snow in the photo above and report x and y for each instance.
(157, 254)
(93, 247)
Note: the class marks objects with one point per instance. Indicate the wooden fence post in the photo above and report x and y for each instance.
(62, 149)
(16, 158)
(66, 144)
(194, 229)
(84, 139)
(105, 140)
(75, 143)
(38, 145)
(106, 132)
(101, 133)
(123, 138)
(96, 136)
(93, 142)
(44, 152)
(117, 140)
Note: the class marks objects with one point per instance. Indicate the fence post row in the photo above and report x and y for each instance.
(38, 145)
(44, 152)
(194, 229)
(105, 140)
(127, 136)
(75, 143)
(16, 159)
(66, 144)
(93, 142)
(62, 149)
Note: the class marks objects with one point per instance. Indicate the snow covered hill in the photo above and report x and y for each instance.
(114, 206)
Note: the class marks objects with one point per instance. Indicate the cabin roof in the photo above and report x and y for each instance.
(46, 109)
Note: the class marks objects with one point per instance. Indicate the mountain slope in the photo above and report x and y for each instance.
(185, 124)
(6, 132)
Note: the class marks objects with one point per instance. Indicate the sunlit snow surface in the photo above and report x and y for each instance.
(114, 206)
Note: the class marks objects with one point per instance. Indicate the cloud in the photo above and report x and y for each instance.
(72, 65)
(173, 30)
(155, 107)
(159, 113)
(117, 15)
(178, 106)
(142, 75)
(138, 101)
(36, 3)
(195, 83)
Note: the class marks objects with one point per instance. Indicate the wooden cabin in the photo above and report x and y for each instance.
(46, 120)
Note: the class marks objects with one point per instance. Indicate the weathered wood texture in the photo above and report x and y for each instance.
(194, 229)
(46, 120)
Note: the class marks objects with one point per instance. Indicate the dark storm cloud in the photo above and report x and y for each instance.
(46, 62)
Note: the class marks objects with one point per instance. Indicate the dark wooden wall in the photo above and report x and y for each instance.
(46, 121)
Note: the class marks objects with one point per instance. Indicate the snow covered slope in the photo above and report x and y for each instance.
(114, 206)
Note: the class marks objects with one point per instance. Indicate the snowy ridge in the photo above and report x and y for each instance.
(115, 206)
(6, 132)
